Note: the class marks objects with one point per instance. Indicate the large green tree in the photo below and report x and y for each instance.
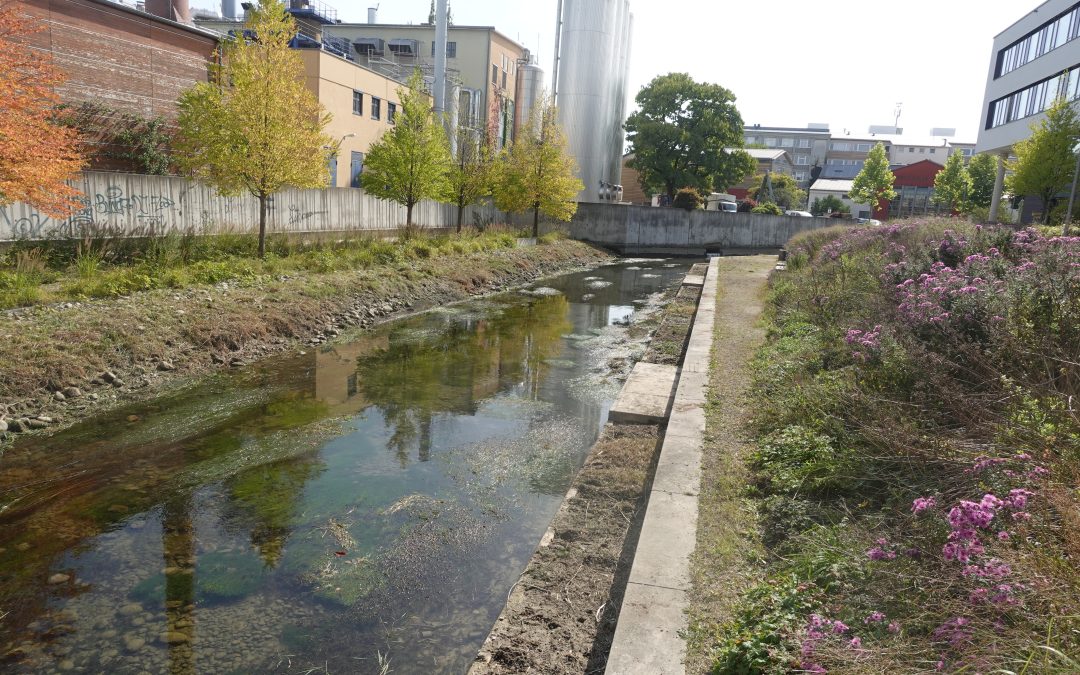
(1045, 161)
(472, 171)
(255, 127)
(874, 184)
(679, 134)
(537, 172)
(952, 185)
(412, 160)
(983, 171)
(785, 191)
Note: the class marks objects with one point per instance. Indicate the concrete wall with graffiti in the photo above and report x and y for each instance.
(134, 205)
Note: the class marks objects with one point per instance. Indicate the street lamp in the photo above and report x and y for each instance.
(1072, 193)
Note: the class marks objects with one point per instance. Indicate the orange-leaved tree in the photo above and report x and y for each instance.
(37, 154)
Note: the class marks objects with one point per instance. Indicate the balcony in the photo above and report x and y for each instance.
(313, 10)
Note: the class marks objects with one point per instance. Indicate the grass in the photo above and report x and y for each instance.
(47, 272)
(914, 460)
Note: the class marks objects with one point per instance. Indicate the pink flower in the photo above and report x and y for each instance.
(1003, 535)
(894, 627)
(875, 617)
(839, 627)
(855, 643)
(922, 503)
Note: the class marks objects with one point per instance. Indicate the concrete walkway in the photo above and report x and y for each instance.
(648, 638)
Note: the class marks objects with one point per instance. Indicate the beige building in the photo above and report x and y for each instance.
(362, 103)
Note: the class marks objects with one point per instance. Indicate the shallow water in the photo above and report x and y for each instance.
(365, 501)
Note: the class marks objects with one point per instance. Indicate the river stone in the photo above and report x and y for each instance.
(133, 642)
(108, 376)
(3, 426)
(174, 637)
(22, 546)
(166, 366)
(66, 664)
(59, 396)
(132, 608)
(72, 392)
(37, 424)
(59, 578)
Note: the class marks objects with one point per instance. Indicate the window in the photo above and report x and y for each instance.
(804, 142)
(391, 112)
(356, 167)
(911, 149)
(802, 160)
(770, 142)
(451, 50)
(922, 151)
(840, 147)
(787, 142)
(504, 80)
(376, 108)
(357, 103)
(1046, 38)
(800, 176)
(494, 74)
(1033, 99)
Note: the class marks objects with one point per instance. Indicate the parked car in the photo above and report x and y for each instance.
(800, 214)
(868, 221)
(720, 201)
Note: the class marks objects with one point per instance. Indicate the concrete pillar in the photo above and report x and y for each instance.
(999, 187)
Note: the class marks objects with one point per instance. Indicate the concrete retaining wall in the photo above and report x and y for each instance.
(134, 205)
(643, 229)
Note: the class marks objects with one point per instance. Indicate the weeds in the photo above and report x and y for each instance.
(918, 446)
(96, 269)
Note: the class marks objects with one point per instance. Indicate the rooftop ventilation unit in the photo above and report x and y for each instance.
(403, 47)
(369, 46)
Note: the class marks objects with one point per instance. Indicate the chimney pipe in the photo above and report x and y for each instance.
(173, 10)
(373, 14)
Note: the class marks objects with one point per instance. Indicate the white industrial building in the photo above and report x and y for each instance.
(1033, 61)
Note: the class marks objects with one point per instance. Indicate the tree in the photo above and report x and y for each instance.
(254, 127)
(472, 172)
(952, 185)
(1045, 161)
(983, 172)
(874, 184)
(679, 134)
(823, 206)
(37, 153)
(785, 191)
(537, 172)
(768, 208)
(411, 161)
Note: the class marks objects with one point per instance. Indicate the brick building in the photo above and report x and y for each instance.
(119, 60)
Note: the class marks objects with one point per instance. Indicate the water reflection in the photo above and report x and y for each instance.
(378, 496)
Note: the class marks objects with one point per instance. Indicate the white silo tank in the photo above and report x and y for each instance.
(530, 92)
(228, 9)
(592, 36)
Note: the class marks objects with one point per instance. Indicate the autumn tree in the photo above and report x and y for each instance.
(1044, 161)
(411, 161)
(681, 133)
(785, 191)
(874, 184)
(255, 127)
(952, 185)
(983, 172)
(37, 153)
(472, 171)
(537, 172)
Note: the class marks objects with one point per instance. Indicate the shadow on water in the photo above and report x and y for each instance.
(374, 499)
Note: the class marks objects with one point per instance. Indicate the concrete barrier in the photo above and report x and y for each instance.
(648, 230)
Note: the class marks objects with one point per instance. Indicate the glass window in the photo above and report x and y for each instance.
(770, 142)
(804, 142)
(802, 160)
(494, 74)
(391, 112)
(1050, 36)
(840, 147)
(376, 108)
(933, 151)
(504, 80)
(862, 147)
(800, 175)
(357, 103)
(787, 142)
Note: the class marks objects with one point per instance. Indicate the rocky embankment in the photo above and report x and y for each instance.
(63, 363)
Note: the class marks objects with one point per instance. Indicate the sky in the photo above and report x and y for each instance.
(842, 62)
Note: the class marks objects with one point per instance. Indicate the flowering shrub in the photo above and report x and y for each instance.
(916, 408)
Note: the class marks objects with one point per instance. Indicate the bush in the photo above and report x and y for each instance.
(747, 205)
(768, 208)
(689, 199)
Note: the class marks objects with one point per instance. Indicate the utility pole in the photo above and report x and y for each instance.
(555, 66)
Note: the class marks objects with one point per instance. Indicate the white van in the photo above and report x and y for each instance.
(720, 201)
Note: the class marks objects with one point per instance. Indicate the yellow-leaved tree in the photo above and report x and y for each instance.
(255, 127)
(537, 172)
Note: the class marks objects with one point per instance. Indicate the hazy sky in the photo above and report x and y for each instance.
(844, 62)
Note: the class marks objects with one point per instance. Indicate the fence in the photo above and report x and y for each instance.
(135, 205)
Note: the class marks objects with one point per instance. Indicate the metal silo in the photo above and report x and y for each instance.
(592, 36)
(530, 92)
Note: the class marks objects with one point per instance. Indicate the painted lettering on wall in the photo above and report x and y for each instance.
(98, 215)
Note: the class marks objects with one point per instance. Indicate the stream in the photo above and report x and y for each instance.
(362, 507)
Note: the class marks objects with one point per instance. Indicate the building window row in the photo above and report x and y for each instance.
(832, 161)
(376, 107)
(1034, 99)
(1048, 37)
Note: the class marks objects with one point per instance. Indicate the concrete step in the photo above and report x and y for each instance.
(646, 396)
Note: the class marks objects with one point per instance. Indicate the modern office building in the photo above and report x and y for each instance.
(1032, 62)
(808, 147)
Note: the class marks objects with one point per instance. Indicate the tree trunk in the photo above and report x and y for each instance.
(262, 226)
(536, 222)
(460, 216)
(408, 215)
